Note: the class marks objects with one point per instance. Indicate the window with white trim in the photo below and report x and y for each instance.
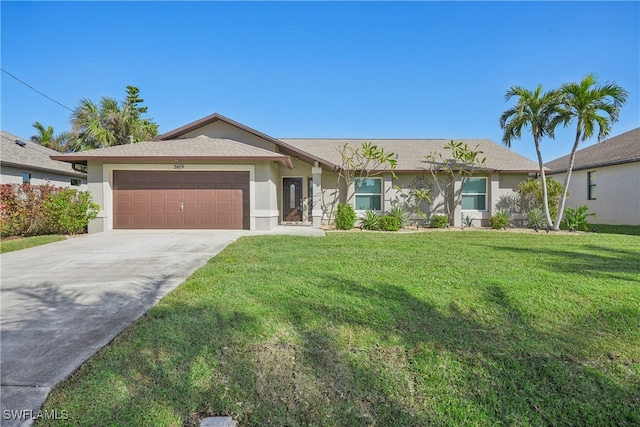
(368, 194)
(474, 194)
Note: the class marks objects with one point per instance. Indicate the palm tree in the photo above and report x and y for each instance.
(107, 124)
(46, 137)
(536, 110)
(591, 105)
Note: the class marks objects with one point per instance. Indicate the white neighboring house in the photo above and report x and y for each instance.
(606, 178)
(25, 162)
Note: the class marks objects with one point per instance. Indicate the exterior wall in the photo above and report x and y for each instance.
(263, 189)
(13, 175)
(617, 193)
(219, 129)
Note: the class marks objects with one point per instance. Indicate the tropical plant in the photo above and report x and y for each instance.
(500, 219)
(536, 110)
(46, 138)
(438, 221)
(108, 124)
(401, 213)
(359, 163)
(590, 105)
(370, 220)
(467, 221)
(459, 164)
(389, 223)
(576, 219)
(345, 217)
(535, 219)
(531, 197)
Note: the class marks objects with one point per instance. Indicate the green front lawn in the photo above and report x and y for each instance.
(15, 244)
(361, 329)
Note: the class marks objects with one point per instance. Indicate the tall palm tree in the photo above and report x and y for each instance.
(536, 110)
(107, 124)
(46, 137)
(591, 105)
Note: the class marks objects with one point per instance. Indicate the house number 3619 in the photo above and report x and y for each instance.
(178, 166)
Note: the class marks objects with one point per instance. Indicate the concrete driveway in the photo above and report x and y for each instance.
(64, 301)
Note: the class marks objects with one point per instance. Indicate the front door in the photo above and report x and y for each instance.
(292, 199)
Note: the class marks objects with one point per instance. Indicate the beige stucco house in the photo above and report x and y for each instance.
(606, 178)
(25, 162)
(218, 173)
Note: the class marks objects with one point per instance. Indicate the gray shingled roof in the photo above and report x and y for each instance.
(188, 148)
(624, 148)
(31, 155)
(411, 152)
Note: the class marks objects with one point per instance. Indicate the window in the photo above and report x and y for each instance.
(76, 182)
(474, 194)
(591, 183)
(26, 178)
(368, 194)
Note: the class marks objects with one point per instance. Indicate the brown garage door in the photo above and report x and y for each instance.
(172, 200)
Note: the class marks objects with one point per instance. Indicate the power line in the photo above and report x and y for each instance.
(36, 90)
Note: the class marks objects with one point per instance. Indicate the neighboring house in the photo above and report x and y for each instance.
(25, 162)
(217, 173)
(606, 178)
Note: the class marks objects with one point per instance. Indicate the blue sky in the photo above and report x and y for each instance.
(327, 69)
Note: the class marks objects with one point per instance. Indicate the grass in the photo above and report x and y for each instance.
(361, 329)
(15, 244)
(632, 230)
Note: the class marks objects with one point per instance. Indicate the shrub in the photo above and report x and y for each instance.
(389, 223)
(438, 221)
(500, 219)
(530, 193)
(400, 213)
(345, 217)
(31, 210)
(576, 219)
(535, 218)
(70, 211)
(370, 220)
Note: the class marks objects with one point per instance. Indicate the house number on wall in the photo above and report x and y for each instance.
(178, 166)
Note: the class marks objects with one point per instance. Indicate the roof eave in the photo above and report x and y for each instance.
(38, 168)
(285, 160)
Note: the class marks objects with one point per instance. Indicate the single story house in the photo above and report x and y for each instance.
(606, 178)
(218, 173)
(26, 162)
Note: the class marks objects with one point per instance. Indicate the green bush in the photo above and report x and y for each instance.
(535, 218)
(500, 219)
(389, 223)
(400, 213)
(70, 211)
(438, 221)
(576, 219)
(530, 194)
(33, 210)
(345, 217)
(370, 220)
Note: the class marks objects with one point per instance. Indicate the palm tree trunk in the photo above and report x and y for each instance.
(567, 178)
(545, 197)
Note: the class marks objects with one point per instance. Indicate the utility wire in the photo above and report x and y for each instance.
(36, 90)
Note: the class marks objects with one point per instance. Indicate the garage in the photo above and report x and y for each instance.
(180, 200)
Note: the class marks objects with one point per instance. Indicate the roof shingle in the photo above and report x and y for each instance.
(624, 148)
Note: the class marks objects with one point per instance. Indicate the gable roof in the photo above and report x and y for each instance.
(624, 148)
(31, 155)
(199, 148)
(282, 146)
(411, 152)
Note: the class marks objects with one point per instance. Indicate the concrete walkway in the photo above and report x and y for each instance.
(62, 302)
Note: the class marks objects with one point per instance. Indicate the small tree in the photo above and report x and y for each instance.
(459, 165)
(531, 197)
(359, 163)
